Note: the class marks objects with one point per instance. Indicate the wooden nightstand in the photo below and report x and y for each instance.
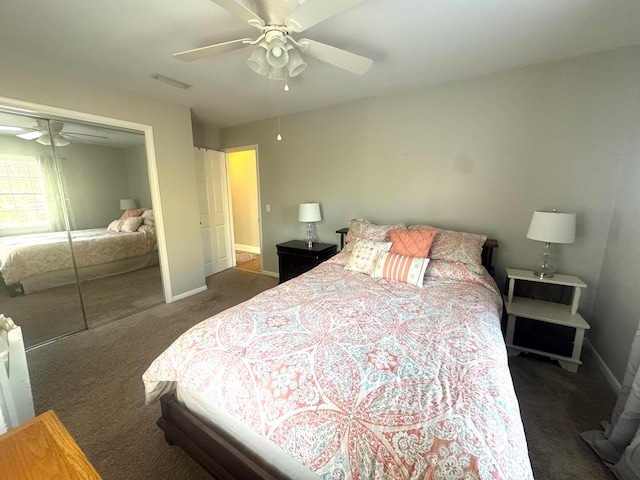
(42, 448)
(295, 258)
(566, 320)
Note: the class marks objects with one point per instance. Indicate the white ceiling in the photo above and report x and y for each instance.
(413, 43)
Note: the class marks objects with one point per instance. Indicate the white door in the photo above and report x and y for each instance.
(215, 218)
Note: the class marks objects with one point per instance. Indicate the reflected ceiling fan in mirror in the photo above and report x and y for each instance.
(276, 53)
(58, 136)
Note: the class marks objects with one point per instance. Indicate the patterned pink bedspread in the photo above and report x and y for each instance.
(362, 378)
(23, 256)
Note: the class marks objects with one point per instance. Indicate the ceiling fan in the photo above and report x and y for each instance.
(276, 53)
(57, 136)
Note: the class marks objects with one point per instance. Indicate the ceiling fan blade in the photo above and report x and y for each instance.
(209, 50)
(336, 56)
(30, 135)
(312, 12)
(240, 10)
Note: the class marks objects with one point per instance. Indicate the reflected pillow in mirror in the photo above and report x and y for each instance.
(115, 226)
(131, 224)
(132, 212)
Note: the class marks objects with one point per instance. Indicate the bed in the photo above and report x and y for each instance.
(39, 261)
(352, 370)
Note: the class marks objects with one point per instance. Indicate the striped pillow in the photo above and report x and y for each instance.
(401, 268)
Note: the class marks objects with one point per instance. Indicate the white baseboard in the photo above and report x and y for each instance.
(271, 274)
(187, 294)
(246, 248)
(613, 381)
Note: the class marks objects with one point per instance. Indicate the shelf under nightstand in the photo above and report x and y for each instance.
(551, 313)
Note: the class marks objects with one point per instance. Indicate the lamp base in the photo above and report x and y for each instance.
(310, 235)
(542, 274)
(545, 266)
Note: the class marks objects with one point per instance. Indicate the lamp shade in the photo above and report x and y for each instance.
(552, 227)
(296, 64)
(127, 203)
(309, 212)
(258, 60)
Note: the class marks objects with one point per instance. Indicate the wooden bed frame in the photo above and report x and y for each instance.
(222, 456)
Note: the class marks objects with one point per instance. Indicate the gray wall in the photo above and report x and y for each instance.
(204, 136)
(95, 179)
(616, 311)
(138, 174)
(478, 155)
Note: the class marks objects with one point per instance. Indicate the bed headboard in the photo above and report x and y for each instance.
(487, 249)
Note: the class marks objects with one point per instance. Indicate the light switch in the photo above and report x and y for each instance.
(268, 207)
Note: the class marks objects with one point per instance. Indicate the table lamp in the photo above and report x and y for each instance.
(550, 227)
(309, 213)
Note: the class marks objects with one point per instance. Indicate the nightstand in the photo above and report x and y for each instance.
(566, 320)
(295, 258)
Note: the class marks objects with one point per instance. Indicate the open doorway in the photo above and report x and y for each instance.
(244, 192)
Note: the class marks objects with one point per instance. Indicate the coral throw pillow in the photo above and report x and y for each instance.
(414, 243)
(401, 268)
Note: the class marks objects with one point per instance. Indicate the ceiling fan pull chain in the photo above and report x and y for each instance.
(278, 137)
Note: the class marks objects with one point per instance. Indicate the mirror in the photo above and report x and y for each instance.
(87, 186)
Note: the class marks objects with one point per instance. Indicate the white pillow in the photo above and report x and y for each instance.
(365, 254)
(115, 226)
(131, 224)
(148, 214)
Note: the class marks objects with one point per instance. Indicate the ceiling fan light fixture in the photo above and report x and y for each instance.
(258, 60)
(277, 54)
(296, 64)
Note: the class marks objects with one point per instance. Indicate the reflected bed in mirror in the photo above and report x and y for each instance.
(39, 261)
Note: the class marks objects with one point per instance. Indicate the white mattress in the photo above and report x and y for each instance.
(264, 448)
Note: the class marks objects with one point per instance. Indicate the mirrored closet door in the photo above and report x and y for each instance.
(77, 232)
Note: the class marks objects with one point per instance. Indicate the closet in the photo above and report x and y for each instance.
(63, 184)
